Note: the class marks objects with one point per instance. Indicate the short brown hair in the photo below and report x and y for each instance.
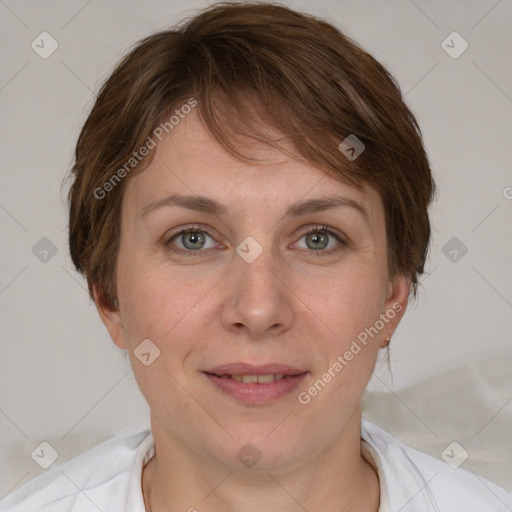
(273, 67)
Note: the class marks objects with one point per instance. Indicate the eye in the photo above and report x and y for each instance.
(318, 240)
(321, 239)
(190, 240)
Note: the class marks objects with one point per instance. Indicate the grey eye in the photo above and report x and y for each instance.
(192, 240)
(317, 241)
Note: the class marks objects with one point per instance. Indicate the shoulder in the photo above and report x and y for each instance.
(99, 479)
(418, 482)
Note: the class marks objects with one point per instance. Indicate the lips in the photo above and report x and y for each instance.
(256, 384)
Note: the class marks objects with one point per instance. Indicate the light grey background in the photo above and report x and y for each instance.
(61, 378)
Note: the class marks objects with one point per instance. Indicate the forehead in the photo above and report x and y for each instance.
(190, 161)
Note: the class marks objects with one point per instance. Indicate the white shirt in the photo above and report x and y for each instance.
(108, 478)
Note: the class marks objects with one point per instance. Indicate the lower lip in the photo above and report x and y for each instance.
(254, 392)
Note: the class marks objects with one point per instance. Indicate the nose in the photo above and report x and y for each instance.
(258, 300)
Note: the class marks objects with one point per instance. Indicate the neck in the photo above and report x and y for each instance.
(337, 480)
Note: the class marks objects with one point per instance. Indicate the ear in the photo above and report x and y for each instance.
(395, 306)
(111, 318)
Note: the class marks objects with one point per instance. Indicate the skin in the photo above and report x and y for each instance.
(291, 305)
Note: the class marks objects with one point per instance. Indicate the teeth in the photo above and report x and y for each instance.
(261, 379)
(264, 379)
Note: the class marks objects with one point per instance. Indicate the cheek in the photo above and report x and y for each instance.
(352, 300)
(349, 353)
(162, 304)
(164, 311)
(350, 307)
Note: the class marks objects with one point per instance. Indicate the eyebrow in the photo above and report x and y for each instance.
(209, 205)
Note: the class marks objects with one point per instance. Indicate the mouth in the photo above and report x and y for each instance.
(256, 384)
(252, 379)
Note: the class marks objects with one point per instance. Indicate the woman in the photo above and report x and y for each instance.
(249, 207)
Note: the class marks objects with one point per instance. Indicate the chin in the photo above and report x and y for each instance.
(257, 451)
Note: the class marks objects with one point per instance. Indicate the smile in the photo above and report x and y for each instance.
(248, 379)
(255, 384)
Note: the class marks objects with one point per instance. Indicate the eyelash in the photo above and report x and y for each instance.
(315, 229)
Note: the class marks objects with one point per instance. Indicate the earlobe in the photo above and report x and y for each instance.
(111, 318)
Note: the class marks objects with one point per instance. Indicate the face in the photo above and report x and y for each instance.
(280, 276)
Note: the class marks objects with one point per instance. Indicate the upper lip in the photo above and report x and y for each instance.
(249, 369)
